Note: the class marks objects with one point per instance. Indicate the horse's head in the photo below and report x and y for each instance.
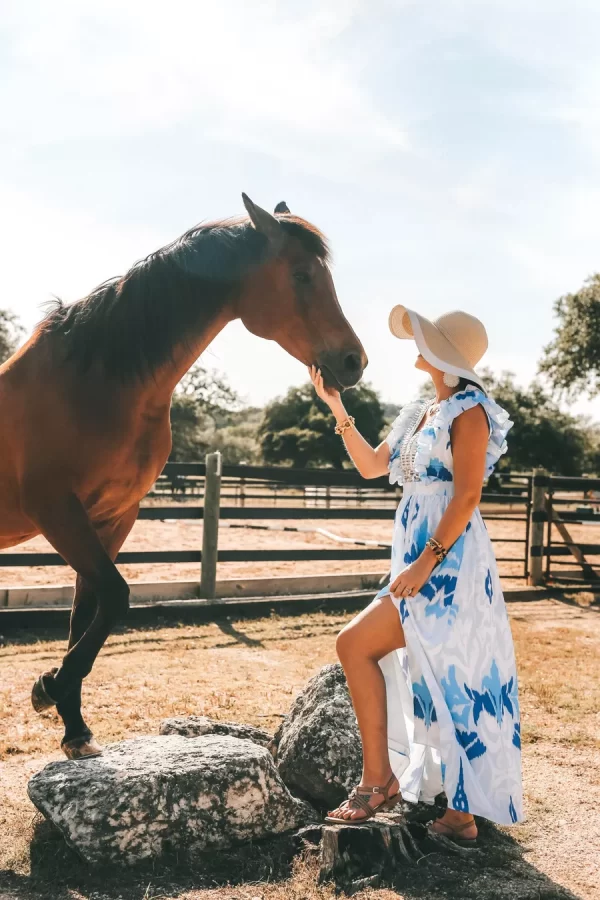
(290, 298)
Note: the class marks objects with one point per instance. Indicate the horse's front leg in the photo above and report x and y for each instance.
(64, 522)
(78, 740)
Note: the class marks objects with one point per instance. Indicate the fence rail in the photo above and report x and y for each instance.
(551, 514)
(343, 495)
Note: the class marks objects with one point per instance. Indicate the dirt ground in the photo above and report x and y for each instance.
(250, 671)
(187, 535)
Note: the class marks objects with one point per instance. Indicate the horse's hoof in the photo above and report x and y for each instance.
(40, 698)
(82, 748)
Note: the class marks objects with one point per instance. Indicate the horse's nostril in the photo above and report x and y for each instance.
(352, 362)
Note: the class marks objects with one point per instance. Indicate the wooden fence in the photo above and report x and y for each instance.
(558, 555)
(239, 492)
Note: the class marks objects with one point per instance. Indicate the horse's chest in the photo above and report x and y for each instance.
(129, 475)
(133, 483)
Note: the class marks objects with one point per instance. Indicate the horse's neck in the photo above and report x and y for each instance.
(160, 386)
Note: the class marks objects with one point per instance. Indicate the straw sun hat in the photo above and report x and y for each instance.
(453, 343)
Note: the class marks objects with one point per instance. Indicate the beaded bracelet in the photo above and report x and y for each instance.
(438, 549)
(345, 425)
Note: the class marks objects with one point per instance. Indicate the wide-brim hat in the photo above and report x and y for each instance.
(454, 342)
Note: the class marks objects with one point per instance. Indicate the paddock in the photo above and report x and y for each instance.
(272, 522)
(250, 670)
(184, 535)
(276, 522)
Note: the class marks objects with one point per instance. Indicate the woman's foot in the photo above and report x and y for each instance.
(363, 803)
(457, 826)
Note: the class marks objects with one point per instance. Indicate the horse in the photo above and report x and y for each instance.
(84, 404)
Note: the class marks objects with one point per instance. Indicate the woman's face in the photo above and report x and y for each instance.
(422, 364)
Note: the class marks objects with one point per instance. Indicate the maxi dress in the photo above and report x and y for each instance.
(453, 708)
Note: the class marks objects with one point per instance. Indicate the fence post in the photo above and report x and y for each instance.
(210, 527)
(538, 519)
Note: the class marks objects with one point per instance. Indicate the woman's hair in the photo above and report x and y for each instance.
(465, 382)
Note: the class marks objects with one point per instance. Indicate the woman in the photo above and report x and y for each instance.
(430, 662)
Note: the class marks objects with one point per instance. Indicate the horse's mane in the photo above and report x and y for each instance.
(131, 324)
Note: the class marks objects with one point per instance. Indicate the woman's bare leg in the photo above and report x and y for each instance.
(370, 636)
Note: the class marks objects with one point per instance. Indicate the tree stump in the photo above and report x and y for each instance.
(354, 857)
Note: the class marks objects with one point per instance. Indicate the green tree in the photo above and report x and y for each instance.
(11, 332)
(542, 435)
(186, 425)
(203, 407)
(571, 361)
(237, 438)
(390, 411)
(210, 390)
(298, 429)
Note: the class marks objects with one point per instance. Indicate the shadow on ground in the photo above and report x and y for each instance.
(229, 622)
(498, 870)
(228, 625)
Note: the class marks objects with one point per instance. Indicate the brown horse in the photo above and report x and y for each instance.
(84, 404)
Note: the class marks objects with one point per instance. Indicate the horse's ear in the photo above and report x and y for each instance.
(282, 207)
(263, 221)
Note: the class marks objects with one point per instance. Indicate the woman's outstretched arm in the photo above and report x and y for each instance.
(370, 462)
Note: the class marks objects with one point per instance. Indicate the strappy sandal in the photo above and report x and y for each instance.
(356, 801)
(454, 833)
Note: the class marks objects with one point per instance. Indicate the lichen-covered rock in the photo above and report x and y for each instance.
(152, 794)
(194, 726)
(317, 748)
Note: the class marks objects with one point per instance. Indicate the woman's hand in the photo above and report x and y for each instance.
(410, 581)
(329, 395)
(370, 462)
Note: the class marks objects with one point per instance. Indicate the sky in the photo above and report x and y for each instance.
(449, 150)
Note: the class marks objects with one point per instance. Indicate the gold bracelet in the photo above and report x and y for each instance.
(345, 425)
(438, 549)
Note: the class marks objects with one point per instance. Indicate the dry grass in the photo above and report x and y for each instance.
(245, 671)
(249, 671)
(559, 672)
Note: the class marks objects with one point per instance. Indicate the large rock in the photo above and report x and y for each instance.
(194, 726)
(317, 748)
(152, 794)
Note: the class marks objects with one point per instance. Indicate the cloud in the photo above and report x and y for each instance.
(265, 76)
(48, 251)
(450, 149)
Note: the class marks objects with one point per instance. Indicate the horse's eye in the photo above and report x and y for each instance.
(302, 276)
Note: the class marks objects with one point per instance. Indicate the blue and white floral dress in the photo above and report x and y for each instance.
(453, 708)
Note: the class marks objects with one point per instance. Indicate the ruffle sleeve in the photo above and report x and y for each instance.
(435, 437)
